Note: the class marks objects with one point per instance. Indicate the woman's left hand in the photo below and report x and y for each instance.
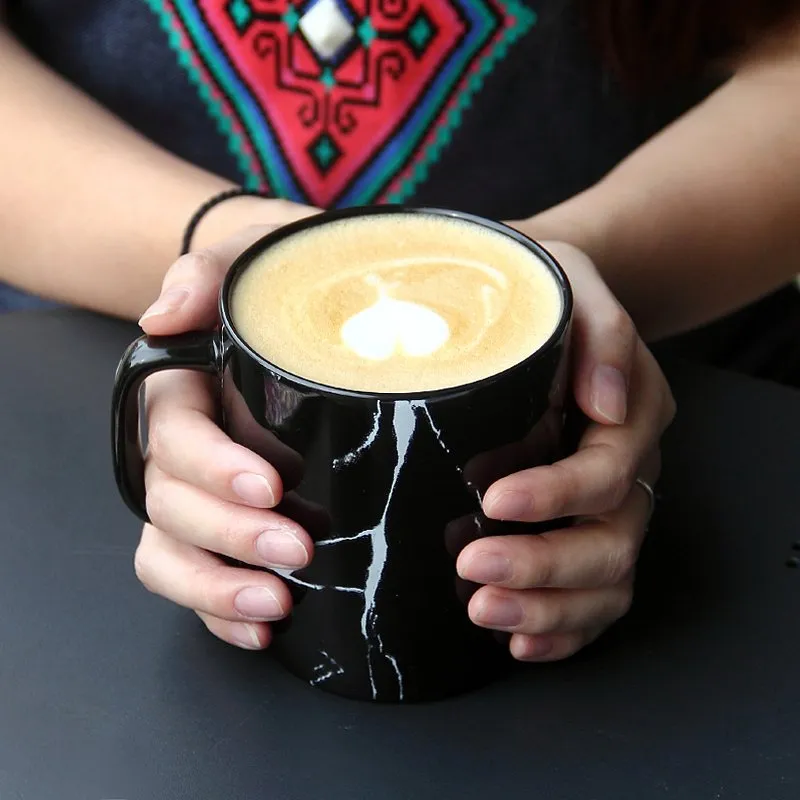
(557, 591)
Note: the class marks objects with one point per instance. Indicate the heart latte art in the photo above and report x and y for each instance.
(396, 303)
(390, 326)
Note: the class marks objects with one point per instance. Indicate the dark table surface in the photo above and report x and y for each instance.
(108, 692)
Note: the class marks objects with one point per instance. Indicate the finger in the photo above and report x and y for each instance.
(253, 536)
(599, 476)
(589, 555)
(198, 580)
(542, 611)
(594, 553)
(460, 532)
(190, 290)
(242, 426)
(551, 646)
(184, 442)
(603, 340)
(247, 635)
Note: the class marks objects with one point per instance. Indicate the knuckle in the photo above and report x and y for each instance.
(230, 538)
(544, 616)
(156, 499)
(624, 600)
(665, 400)
(618, 323)
(541, 569)
(157, 435)
(670, 406)
(619, 471)
(564, 486)
(211, 593)
(620, 563)
(213, 475)
(623, 476)
(197, 265)
(207, 597)
(141, 566)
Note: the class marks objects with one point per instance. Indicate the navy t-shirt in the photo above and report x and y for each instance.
(498, 107)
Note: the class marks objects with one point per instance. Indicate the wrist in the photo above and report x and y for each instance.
(594, 222)
(237, 213)
(581, 221)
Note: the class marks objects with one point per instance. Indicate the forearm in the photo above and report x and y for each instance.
(92, 212)
(706, 216)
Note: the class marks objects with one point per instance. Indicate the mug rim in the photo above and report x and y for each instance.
(244, 259)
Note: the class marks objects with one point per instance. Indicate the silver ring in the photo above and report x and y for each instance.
(651, 496)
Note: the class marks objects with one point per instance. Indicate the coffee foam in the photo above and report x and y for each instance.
(390, 327)
(396, 303)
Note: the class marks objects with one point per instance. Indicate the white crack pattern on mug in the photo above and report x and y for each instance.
(405, 419)
(386, 317)
(353, 455)
(328, 668)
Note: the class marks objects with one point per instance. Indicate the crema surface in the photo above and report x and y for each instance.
(396, 303)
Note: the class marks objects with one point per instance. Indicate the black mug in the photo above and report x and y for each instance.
(387, 485)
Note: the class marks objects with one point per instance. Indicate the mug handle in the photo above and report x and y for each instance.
(199, 350)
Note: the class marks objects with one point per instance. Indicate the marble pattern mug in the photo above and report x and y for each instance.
(387, 485)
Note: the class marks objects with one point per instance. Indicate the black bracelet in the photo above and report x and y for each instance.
(191, 227)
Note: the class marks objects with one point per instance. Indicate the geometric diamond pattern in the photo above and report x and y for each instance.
(241, 13)
(420, 32)
(340, 102)
(326, 28)
(325, 152)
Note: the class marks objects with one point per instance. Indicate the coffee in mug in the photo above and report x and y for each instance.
(396, 303)
(391, 363)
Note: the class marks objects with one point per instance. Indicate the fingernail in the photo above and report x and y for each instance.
(509, 506)
(168, 303)
(487, 568)
(500, 612)
(246, 636)
(254, 490)
(281, 549)
(258, 602)
(609, 394)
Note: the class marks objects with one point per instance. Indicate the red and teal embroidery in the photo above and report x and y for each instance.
(339, 102)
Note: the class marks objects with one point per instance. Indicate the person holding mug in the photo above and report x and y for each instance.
(393, 385)
(681, 200)
(209, 497)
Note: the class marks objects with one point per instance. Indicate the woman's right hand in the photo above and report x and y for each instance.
(206, 495)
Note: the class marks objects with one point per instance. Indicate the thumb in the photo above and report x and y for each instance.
(190, 290)
(604, 339)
